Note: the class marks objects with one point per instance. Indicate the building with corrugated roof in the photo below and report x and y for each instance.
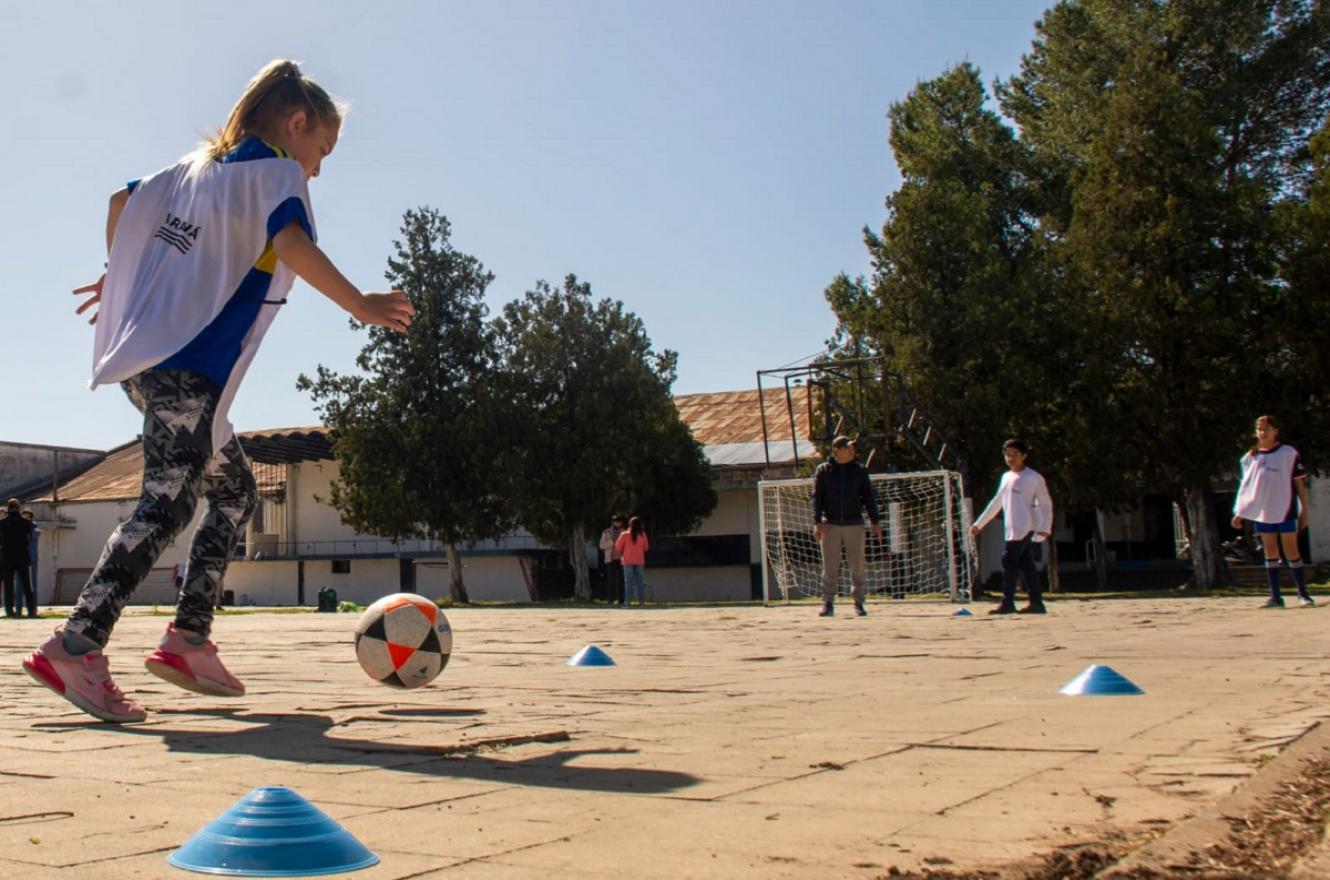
(297, 545)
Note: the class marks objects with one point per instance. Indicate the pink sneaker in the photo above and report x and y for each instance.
(83, 679)
(193, 667)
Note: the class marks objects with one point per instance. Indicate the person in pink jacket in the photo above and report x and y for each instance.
(633, 546)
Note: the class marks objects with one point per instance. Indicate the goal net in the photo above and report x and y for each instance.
(925, 546)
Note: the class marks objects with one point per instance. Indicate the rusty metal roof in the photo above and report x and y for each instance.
(288, 445)
(116, 477)
(736, 416)
(727, 423)
(119, 477)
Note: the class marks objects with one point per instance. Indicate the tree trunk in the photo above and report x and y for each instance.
(1207, 562)
(1054, 575)
(1100, 552)
(577, 556)
(456, 588)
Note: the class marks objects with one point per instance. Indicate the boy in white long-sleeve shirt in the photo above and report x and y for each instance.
(1027, 512)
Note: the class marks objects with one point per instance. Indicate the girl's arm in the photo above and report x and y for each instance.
(306, 259)
(118, 201)
(1243, 464)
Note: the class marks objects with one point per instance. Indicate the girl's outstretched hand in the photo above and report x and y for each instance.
(96, 290)
(391, 310)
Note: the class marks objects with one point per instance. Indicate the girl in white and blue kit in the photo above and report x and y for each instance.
(202, 254)
(1272, 479)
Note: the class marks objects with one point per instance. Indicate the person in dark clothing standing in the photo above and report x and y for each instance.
(32, 561)
(613, 566)
(841, 492)
(15, 532)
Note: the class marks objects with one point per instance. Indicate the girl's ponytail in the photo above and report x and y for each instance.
(275, 92)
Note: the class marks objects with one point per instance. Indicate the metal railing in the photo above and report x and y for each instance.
(380, 547)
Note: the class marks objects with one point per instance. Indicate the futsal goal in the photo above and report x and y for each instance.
(925, 547)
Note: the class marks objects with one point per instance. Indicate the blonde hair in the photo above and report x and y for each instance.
(275, 92)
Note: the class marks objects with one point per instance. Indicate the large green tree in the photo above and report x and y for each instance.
(1166, 136)
(1305, 269)
(1137, 274)
(594, 428)
(956, 302)
(417, 427)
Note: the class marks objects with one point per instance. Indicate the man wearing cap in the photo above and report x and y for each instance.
(841, 491)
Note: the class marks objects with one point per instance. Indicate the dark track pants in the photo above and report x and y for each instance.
(178, 465)
(1018, 560)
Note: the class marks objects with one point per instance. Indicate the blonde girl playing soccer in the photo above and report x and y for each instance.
(1272, 477)
(202, 254)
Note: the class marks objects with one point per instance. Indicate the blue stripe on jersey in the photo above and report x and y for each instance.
(214, 352)
(291, 209)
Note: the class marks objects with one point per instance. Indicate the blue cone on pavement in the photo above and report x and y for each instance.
(273, 832)
(962, 612)
(590, 656)
(1100, 681)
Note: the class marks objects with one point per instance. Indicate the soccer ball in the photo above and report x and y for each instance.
(403, 641)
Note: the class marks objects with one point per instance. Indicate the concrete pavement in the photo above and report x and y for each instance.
(727, 742)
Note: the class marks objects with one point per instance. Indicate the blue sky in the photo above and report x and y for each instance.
(710, 164)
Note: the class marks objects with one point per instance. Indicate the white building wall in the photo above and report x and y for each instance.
(312, 521)
(367, 580)
(80, 545)
(719, 583)
(311, 526)
(487, 578)
(266, 583)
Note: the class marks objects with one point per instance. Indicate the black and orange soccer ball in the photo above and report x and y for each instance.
(403, 641)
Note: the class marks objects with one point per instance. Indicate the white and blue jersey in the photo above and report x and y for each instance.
(1267, 492)
(193, 282)
(214, 352)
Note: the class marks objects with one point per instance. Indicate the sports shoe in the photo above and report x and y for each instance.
(1004, 608)
(1033, 609)
(193, 667)
(83, 679)
(828, 610)
(1306, 601)
(1273, 602)
(859, 610)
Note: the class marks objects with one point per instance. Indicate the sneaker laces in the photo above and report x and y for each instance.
(97, 662)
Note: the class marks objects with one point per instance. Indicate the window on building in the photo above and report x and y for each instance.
(341, 566)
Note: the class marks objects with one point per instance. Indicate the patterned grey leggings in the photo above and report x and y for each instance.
(178, 408)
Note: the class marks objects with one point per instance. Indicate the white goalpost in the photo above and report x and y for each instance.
(925, 546)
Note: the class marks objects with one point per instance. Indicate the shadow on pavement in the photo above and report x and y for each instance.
(310, 740)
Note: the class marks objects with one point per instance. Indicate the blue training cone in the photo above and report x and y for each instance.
(590, 656)
(273, 832)
(962, 612)
(1100, 681)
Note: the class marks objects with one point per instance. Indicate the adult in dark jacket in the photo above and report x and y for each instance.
(15, 533)
(841, 492)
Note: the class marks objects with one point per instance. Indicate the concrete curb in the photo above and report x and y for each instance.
(1211, 824)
